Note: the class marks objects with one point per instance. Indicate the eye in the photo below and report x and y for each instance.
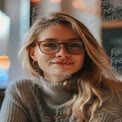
(49, 44)
(75, 45)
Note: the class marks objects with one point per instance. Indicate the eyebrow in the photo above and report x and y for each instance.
(54, 39)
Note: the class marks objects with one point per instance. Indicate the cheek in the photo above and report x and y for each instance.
(43, 60)
(81, 61)
(40, 58)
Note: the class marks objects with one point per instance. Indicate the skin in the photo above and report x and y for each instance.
(61, 65)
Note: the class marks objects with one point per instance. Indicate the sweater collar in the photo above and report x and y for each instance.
(57, 93)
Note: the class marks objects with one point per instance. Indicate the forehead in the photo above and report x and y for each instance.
(59, 32)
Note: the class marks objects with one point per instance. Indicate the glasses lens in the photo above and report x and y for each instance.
(49, 47)
(75, 47)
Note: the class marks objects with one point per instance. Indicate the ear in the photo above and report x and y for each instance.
(32, 54)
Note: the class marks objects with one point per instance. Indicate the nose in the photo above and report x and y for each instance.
(63, 52)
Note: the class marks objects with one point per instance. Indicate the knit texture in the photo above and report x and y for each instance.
(43, 101)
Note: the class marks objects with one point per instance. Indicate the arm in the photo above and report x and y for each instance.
(13, 109)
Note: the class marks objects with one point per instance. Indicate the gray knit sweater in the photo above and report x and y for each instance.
(42, 101)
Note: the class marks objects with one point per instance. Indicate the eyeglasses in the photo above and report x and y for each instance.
(52, 47)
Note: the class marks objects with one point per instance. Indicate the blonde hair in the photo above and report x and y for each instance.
(95, 75)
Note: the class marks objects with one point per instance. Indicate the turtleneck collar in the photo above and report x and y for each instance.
(56, 93)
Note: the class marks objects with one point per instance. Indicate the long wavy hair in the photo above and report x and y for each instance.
(95, 76)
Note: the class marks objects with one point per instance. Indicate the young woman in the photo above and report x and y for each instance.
(71, 79)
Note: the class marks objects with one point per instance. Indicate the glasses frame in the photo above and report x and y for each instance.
(65, 45)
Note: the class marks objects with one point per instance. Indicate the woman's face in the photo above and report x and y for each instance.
(58, 66)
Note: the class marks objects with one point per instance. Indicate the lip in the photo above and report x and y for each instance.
(62, 63)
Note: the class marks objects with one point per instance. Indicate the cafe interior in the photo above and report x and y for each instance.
(102, 17)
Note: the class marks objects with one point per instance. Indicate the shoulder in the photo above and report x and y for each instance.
(20, 87)
(22, 91)
(114, 94)
(112, 106)
(111, 109)
(20, 83)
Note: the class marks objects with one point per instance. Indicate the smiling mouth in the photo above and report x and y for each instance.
(63, 63)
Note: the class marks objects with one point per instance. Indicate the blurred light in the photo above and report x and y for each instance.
(3, 78)
(55, 1)
(35, 0)
(4, 67)
(4, 24)
(79, 4)
(3, 75)
(4, 62)
(82, 5)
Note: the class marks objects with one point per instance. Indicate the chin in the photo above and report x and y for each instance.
(63, 74)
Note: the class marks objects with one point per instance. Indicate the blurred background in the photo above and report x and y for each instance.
(102, 17)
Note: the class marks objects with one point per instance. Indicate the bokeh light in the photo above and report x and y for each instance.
(4, 68)
(4, 62)
(79, 4)
(55, 1)
(35, 0)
